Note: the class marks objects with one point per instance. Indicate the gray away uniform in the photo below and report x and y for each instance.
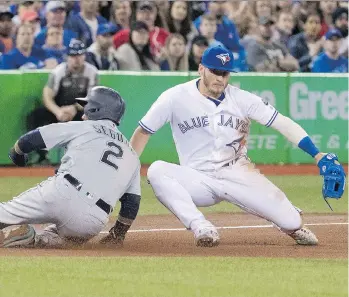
(99, 166)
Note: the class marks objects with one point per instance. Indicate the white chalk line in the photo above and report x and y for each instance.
(223, 228)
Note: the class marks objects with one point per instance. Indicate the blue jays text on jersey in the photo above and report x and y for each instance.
(202, 122)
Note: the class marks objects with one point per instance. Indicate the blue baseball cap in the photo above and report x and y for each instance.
(333, 33)
(108, 28)
(218, 58)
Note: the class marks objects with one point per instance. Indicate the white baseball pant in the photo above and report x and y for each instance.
(182, 189)
(56, 201)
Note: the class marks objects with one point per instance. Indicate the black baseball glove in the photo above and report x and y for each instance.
(116, 234)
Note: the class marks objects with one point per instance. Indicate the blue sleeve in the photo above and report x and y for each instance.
(40, 53)
(40, 38)
(235, 44)
(31, 141)
(6, 62)
(78, 25)
(72, 24)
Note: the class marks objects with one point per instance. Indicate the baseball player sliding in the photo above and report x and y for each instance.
(98, 169)
(210, 122)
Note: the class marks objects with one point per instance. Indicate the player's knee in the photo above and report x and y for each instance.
(156, 170)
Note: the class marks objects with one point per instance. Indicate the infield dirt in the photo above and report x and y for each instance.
(240, 242)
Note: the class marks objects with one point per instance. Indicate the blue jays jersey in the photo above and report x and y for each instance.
(324, 63)
(208, 135)
(14, 59)
(226, 33)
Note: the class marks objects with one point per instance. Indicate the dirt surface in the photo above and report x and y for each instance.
(304, 169)
(246, 237)
(243, 235)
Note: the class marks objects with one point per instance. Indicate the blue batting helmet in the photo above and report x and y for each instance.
(218, 58)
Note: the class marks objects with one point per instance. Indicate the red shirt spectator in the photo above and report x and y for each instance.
(157, 37)
(146, 12)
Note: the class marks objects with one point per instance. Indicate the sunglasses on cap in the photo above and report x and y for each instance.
(219, 72)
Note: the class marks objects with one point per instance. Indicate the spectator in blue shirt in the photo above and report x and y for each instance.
(55, 16)
(330, 60)
(54, 46)
(208, 28)
(25, 55)
(226, 29)
(85, 24)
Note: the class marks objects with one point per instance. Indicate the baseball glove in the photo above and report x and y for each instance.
(334, 176)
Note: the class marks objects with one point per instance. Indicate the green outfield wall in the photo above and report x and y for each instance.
(317, 102)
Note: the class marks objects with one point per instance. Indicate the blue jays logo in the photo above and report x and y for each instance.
(237, 144)
(224, 58)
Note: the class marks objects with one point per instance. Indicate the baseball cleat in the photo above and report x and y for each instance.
(304, 236)
(205, 233)
(207, 238)
(17, 236)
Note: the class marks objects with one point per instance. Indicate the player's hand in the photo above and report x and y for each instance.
(333, 173)
(18, 159)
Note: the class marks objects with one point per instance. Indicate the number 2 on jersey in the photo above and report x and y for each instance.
(108, 154)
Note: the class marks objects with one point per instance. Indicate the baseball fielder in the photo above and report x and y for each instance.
(98, 169)
(210, 122)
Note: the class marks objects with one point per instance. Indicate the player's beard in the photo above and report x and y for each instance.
(213, 92)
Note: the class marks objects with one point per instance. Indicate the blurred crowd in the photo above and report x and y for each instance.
(264, 36)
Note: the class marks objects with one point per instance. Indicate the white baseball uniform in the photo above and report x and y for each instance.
(210, 139)
(98, 167)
